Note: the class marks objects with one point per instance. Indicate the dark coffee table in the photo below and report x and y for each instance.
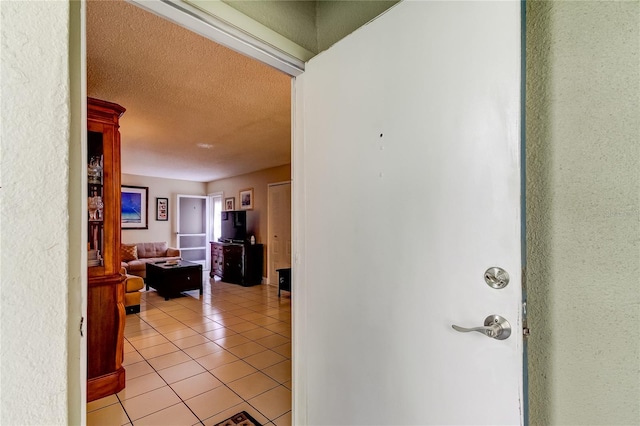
(172, 279)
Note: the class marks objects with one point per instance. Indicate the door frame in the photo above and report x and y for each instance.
(207, 224)
(245, 42)
(286, 182)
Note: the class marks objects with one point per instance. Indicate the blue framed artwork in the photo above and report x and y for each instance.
(134, 207)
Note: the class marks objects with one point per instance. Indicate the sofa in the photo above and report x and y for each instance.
(134, 257)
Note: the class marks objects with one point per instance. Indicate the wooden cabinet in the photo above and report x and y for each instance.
(105, 305)
(237, 263)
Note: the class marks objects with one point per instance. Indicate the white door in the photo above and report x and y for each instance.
(407, 188)
(279, 226)
(191, 227)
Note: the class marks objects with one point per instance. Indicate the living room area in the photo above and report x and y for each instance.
(203, 132)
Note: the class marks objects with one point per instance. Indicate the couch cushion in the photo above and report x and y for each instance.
(146, 250)
(136, 265)
(128, 252)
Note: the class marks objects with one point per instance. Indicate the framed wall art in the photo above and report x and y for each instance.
(246, 199)
(162, 209)
(230, 203)
(134, 207)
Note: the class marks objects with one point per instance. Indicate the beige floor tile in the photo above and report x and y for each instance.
(159, 322)
(257, 333)
(280, 327)
(280, 372)
(138, 369)
(284, 420)
(209, 326)
(131, 358)
(128, 347)
(159, 350)
(243, 326)
(101, 403)
(193, 386)
(284, 350)
(265, 321)
(151, 313)
(169, 360)
(285, 333)
(232, 320)
(150, 402)
(144, 334)
(252, 315)
(246, 349)
(252, 385)
(172, 327)
(233, 371)
(141, 384)
(180, 334)
(213, 402)
(264, 359)
(273, 341)
(181, 371)
(244, 406)
(203, 350)
(217, 359)
(108, 416)
(241, 312)
(231, 341)
(288, 385)
(149, 342)
(273, 403)
(190, 341)
(170, 306)
(198, 320)
(220, 333)
(176, 415)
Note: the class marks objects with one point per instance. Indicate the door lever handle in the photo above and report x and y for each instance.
(495, 327)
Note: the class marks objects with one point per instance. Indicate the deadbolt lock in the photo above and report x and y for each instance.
(496, 277)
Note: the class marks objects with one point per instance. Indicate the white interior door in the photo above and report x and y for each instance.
(279, 226)
(406, 190)
(191, 227)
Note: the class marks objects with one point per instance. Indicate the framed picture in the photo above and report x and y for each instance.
(134, 207)
(230, 203)
(246, 199)
(162, 209)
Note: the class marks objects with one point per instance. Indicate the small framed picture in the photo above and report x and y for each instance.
(162, 209)
(230, 203)
(246, 199)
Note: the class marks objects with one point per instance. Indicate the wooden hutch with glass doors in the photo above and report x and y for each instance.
(105, 305)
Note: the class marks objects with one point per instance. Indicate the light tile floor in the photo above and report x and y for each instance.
(197, 360)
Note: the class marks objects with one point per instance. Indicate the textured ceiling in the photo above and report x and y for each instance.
(195, 110)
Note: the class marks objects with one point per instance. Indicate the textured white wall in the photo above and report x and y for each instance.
(583, 125)
(34, 213)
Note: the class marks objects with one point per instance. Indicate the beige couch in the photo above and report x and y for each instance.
(135, 257)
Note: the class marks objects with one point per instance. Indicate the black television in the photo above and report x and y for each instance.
(233, 226)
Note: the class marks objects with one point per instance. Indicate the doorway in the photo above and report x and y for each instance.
(279, 241)
(190, 226)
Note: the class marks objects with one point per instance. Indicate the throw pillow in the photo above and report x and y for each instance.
(128, 252)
